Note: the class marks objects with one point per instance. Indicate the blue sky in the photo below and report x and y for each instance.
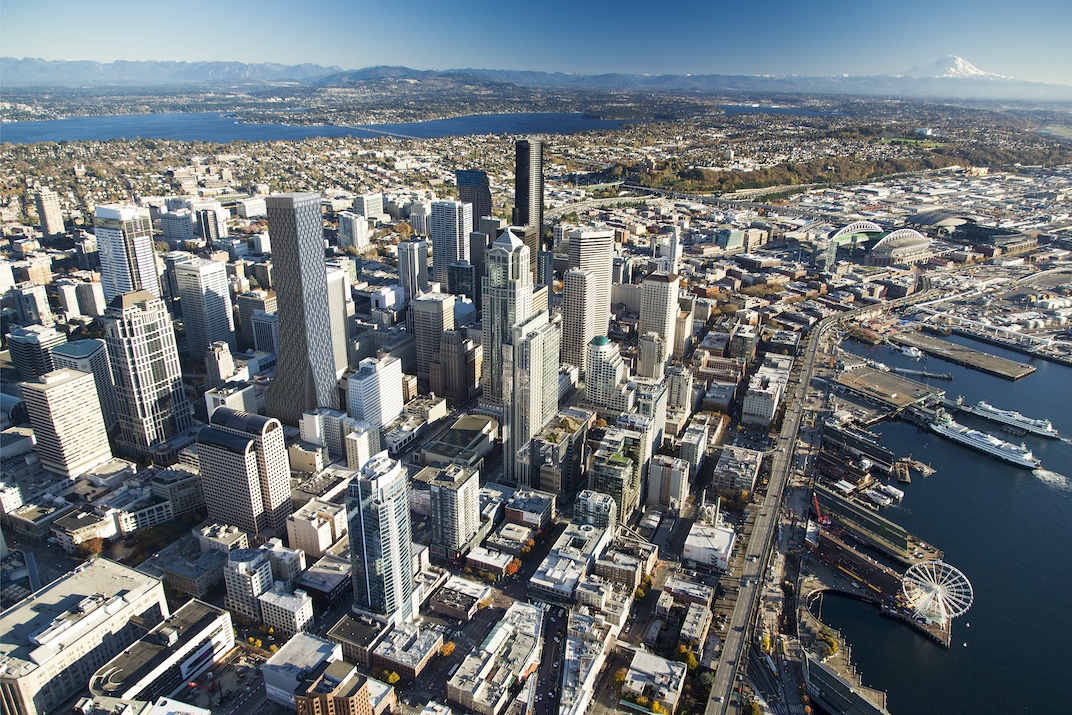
(1026, 39)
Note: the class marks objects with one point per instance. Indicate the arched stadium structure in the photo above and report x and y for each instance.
(903, 246)
(864, 229)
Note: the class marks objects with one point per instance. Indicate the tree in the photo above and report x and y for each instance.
(690, 661)
(658, 709)
(619, 676)
(91, 547)
(513, 567)
(258, 643)
(642, 701)
(393, 677)
(447, 648)
(273, 648)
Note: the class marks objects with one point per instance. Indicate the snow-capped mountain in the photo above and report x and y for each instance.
(951, 67)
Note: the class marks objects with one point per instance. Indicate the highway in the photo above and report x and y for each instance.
(758, 553)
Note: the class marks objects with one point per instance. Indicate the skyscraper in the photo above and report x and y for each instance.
(48, 213)
(67, 421)
(474, 188)
(248, 304)
(578, 324)
(592, 249)
(148, 379)
(455, 496)
(507, 300)
(530, 386)
(452, 222)
(305, 374)
(651, 356)
(245, 470)
(433, 313)
(219, 363)
(377, 504)
(31, 349)
(340, 306)
(528, 184)
(206, 305)
(658, 308)
(125, 243)
(374, 392)
(455, 373)
(92, 356)
(413, 267)
(31, 302)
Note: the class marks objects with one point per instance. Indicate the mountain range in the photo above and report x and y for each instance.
(950, 77)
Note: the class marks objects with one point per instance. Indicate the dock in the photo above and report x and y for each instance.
(960, 355)
(885, 388)
(869, 527)
(923, 373)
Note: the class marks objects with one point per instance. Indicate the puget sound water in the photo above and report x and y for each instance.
(1006, 528)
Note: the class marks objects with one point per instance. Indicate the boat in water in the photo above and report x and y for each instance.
(877, 497)
(1042, 428)
(912, 352)
(1020, 455)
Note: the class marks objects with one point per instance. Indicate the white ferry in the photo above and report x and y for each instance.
(1020, 456)
(983, 409)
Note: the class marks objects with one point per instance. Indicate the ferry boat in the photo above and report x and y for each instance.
(984, 409)
(1020, 456)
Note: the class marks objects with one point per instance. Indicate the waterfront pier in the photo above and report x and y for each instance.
(960, 355)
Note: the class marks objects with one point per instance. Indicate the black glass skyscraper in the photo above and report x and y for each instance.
(474, 188)
(528, 196)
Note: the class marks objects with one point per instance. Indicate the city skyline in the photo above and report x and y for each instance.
(1027, 43)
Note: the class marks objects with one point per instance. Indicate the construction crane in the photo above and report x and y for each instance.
(823, 519)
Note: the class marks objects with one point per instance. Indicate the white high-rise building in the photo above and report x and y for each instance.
(353, 231)
(507, 301)
(380, 540)
(679, 388)
(375, 391)
(578, 324)
(340, 306)
(370, 206)
(362, 443)
(432, 313)
(305, 375)
(530, 384)
(148, 378)
(219, 363)
(67, 291)
(247, 575)
(659, 309)
(91, 299)
(651, 356)
(206, 305)
(592, 249)
(49, 215)
(452, 222)
(606, 377)
(31, 349)
(31, 302)
(91, 356)
(68, 426)
(125, 244)
(245, 470)
(455, 495)
(413, 267)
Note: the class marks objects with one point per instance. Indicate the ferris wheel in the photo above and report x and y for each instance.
(937, 591)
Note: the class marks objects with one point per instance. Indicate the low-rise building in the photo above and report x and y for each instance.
(530, 507)
(657, 679)
(315, 526)
(460, 598)
(571, 557)
(737, 469)
(293, 663)
(588, 641)
(169, 656)
(357, 635)
(185, 567)
(333, 688)
(407, 649)
(289, 613)
(54, 642)
(509, 654)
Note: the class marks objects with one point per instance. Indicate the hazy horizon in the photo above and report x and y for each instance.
(1028, 41)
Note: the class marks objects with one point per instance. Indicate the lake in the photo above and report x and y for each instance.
(223, 128)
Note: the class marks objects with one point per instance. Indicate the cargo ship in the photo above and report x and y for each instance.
(1042, 428)
(1021, 456)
